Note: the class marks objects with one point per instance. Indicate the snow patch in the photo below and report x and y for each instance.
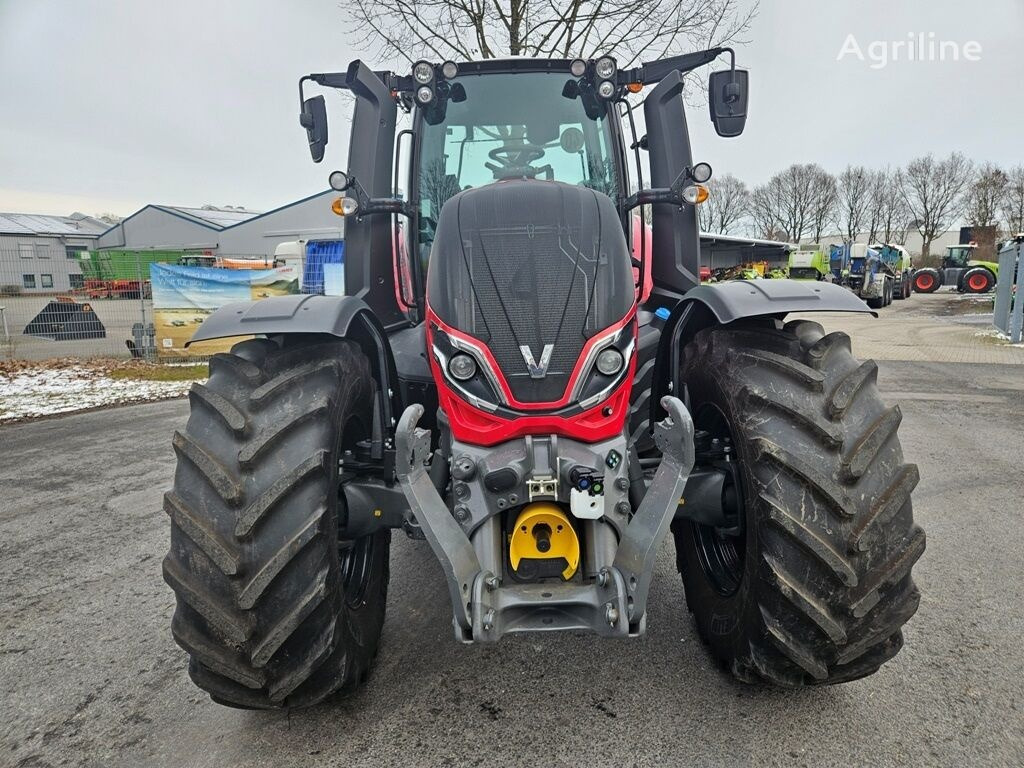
(995, 333)
(45, 392)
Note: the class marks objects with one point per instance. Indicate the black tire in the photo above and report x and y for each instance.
(927, 280)
(820, 575)
(877, 302)
(273, 610)
(977, 280)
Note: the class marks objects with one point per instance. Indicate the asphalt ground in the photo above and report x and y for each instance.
(89, 674)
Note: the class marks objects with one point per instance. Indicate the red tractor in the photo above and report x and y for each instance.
(517, 377)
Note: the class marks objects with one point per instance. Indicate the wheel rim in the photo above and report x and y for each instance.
(978, 282)
(924, 282)
(721, 556)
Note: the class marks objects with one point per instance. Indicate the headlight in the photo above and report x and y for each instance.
(578, 68)
(609, 362)
(462, 367)
(422, 72)
(605, 68)
(424, 95)
(450, 70)
(606, 89)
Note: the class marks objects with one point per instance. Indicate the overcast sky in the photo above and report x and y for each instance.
(107, 106)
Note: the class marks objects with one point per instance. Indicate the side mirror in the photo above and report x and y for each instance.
(314, 119)
(727, 97)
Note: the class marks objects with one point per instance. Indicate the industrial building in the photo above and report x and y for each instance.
(224, 231)
(39, 254)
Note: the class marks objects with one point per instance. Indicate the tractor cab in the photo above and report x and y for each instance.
(959, 256)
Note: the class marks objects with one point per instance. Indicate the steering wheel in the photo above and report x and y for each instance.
(513, 159)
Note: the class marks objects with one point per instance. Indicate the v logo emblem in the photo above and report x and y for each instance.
(537, 370)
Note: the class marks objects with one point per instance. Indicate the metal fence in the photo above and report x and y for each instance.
(83, 304)
(1008, 312)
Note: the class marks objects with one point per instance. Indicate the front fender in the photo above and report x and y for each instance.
(736, 299)
(345, 317)
(722, 303)
(297, 313)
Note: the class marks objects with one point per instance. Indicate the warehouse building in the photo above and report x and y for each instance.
(39, 254)
(225, 231)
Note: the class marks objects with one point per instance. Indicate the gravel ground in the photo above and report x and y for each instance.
(89, 674)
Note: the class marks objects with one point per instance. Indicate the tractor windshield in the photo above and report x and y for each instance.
(513, 125)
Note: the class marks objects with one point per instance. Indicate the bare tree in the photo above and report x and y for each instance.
(1013, 203)
(765, 210)
(985, 196)
(824, 197)
(855, 184)
(475, 29)
(726, 207)
(880, 190)
(895, 217)
(934, 192)
(788, 202)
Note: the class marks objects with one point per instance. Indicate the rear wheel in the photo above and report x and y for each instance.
(900, 290)
(272, 607)
(815, 584)
(978, 280)
(926, 281)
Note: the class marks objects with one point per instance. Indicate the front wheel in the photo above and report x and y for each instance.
(814, 584)
(273, 608)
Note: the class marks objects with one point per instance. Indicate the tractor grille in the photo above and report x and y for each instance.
(531, 263)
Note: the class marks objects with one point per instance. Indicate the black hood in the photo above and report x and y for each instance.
(530, 263)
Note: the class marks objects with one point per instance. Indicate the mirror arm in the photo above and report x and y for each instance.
(651, 72)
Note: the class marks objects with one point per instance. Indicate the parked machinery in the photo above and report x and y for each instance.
(900, 264)
(810, 262)
(862, 270)
(960, 269)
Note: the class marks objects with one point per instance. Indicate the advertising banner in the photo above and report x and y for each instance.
(184, 296)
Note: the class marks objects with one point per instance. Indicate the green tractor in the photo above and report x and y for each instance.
(543, 393)
(960, 269)
(810, 262)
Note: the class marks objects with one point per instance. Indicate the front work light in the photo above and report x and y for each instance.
(338, 180)
(422, 72)
(700, 173)
(578, 67)
(449, 70)
(605, 68)
(462, 367)
(424, 95)
(606, 89)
